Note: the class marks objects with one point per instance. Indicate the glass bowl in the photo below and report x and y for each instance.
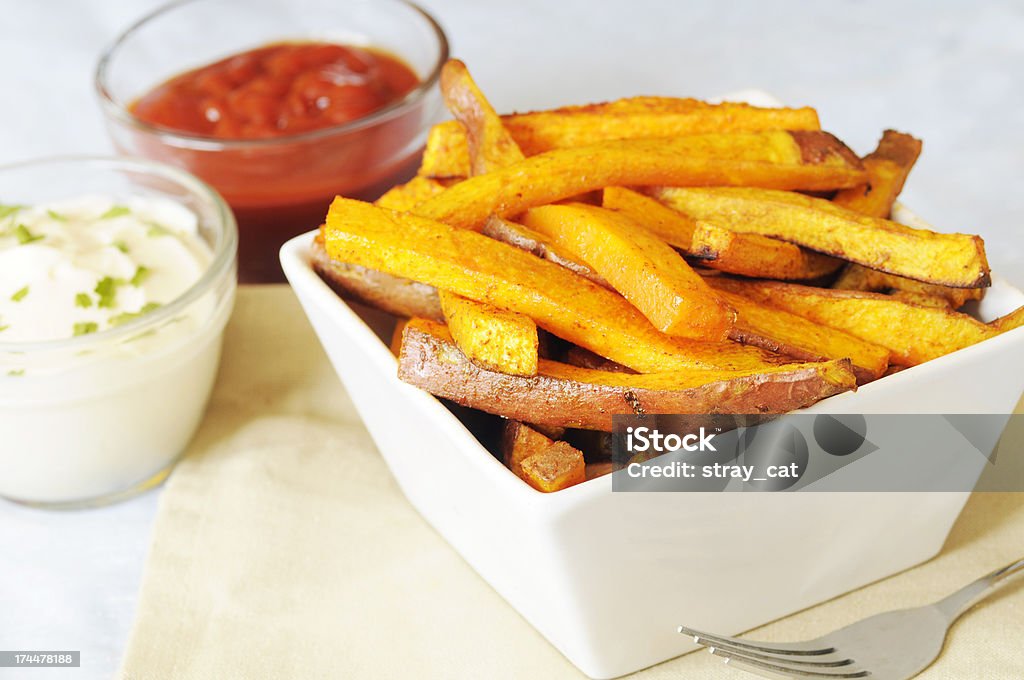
(98, 417)
(281, 186)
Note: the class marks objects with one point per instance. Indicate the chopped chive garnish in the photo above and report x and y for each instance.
(54, 215)
(6, 210)
(141, 274)
(128, 316)
(83, 300)
(106, 289)
(3, 328)
(116, 211)
(157, 230)
(121, 245)
(19, 295)
(15, 372)
(85, 327)
(24, 235)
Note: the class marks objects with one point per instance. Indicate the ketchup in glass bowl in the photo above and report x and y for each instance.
(279, 104)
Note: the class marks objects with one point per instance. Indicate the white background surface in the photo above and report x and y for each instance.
(949, 72)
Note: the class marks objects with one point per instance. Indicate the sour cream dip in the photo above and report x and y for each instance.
(112, 311)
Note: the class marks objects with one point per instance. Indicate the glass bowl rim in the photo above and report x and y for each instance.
(220, 264)
(113, 107)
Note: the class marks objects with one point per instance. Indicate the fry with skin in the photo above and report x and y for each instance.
(392, 294)
(639, 265)
(717, 247)
(544, 464)
(775, 159)
(956, 260)
(569, 396)
(912, 333)
(527, 239)
(490, 145)
(557, 467)
(496, 339)
(779, 331)
(888, 167)
(856, 277)
(757, 256)
(482, 269)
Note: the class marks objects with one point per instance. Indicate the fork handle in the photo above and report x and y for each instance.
(956, 604)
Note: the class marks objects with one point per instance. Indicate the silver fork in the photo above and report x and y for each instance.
(892, 646)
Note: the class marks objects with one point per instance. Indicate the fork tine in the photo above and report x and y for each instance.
(771, 675)
(787, 648)
(783, 669)
(810, 662)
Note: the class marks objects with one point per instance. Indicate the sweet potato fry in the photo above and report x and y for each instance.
(956, 260)
(775, 159)
(584, 358)
(912, 333)
(922, 299)
(544, 464)
(496, 339)
(568, 396)
(888, 167)
(558, 467)
(757, 256)
(446, 154)
(671, 226)
(856, 277)
(779, 331)
(490, 144)
(648, 117)
(518, 442)
(642, 267)
(1009, 322)
(482, 269)
(720, 248)
(396, 337)
(406, 196)
(392, 294)
(526, 239)
(447, 151)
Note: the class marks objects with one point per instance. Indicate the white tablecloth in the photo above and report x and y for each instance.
(946, 71)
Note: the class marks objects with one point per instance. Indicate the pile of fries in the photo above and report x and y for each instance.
(648, 255)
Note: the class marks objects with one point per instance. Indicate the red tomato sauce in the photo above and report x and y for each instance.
(283, 186)
(278, 90)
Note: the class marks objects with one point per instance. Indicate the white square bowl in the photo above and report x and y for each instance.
(606, 577)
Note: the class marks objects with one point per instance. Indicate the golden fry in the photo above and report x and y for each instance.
(490, 145)
(496, 339)
(949, 259)
(643, 268)
(912, 333)
(757, 256)
(780, 331)
(561, 395)
(671, 226)
(485, 270)
(774, 159)
(888, 167)
(407, 196)
(447, 151)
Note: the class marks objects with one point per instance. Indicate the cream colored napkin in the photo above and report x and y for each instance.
(283, 549)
